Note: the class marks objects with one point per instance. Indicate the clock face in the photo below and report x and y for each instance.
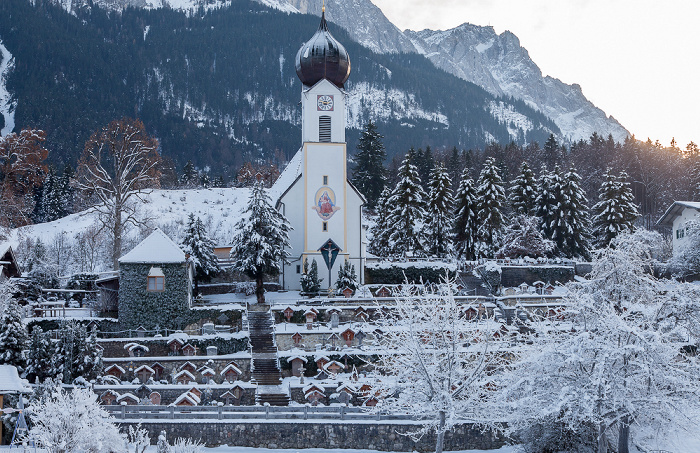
(324, 102)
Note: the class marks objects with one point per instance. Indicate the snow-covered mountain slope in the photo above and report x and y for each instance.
(499, 64)
(7, 107)
(477, 54)
(168, 210)
(362, 19)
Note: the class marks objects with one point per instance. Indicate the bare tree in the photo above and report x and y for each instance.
(436, 361)
(118, 163)
(22, 169)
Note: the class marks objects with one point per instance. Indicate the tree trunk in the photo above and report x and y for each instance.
(602, 442)
(259, 289)
(624, 435)
(117, 236)
(440, 432)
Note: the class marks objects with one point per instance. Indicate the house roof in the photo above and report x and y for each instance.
(231, 367)
(288, 177)
(10, 381)
(675, 210)
(156, 248)
(8, 260)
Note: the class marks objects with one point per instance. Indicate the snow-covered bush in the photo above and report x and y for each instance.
(137, 438)
(621, 359)
(182, 445)
(67, 422)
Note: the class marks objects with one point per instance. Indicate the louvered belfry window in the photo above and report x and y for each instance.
(324, 129)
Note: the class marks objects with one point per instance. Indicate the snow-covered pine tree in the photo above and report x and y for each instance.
(90, 365)
(380, 231)
(440, 222)
(555, 222)
(259, 246)
(465, 223)
(190, 176)
(310, 283)
(347, 277)
(490, 201)
(523, 191)
(577, 239)
(369, 175)
(522, 238)
(548, 202)
(39, 359)
(455, 166)
(615, 211)
(13, 336)
(551, 152)
(200, 248)
(407, 204)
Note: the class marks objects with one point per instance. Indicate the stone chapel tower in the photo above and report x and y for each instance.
(313, 191)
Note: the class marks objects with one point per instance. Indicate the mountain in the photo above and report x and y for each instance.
(497, 63)
(216, 83)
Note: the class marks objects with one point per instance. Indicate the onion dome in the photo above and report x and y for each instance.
(323, 57)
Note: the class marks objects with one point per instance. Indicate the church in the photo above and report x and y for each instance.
(313, 192)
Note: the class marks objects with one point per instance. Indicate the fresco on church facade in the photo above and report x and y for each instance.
(325, 205)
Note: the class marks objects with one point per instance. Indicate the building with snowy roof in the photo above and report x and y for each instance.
(8, 263)
(677, 217)
(155, 284)
(313, 191)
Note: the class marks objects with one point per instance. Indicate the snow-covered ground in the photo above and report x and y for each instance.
(168, 210)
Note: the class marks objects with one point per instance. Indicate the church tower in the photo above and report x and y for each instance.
(313, 191)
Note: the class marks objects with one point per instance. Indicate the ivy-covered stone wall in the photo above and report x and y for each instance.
(139, 307)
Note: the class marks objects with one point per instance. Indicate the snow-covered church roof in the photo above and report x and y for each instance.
(156, 248)
(288, 176)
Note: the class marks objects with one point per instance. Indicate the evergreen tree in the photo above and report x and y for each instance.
(551, 153)
(553, 220)
(439, 226)
(65, 352)
(310, 283)
(190, 177)
(454, 166)
(523, 191)
(490, 200)
(425, 163)
(90, 365)
(577, 242)
(347, 277)
(13, 336)
(465, 223)
(39, 360)
(200, 248)
(370, 175)
(615, 211)
(407, 204)
(259, 247)
(381, 230)
(546, 201)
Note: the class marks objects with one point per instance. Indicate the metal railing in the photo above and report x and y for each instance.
(287, 413)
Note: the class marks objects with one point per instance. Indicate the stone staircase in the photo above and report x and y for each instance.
(266, 372)
(473, 286)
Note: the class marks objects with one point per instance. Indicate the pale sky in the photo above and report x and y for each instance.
(637, 60)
